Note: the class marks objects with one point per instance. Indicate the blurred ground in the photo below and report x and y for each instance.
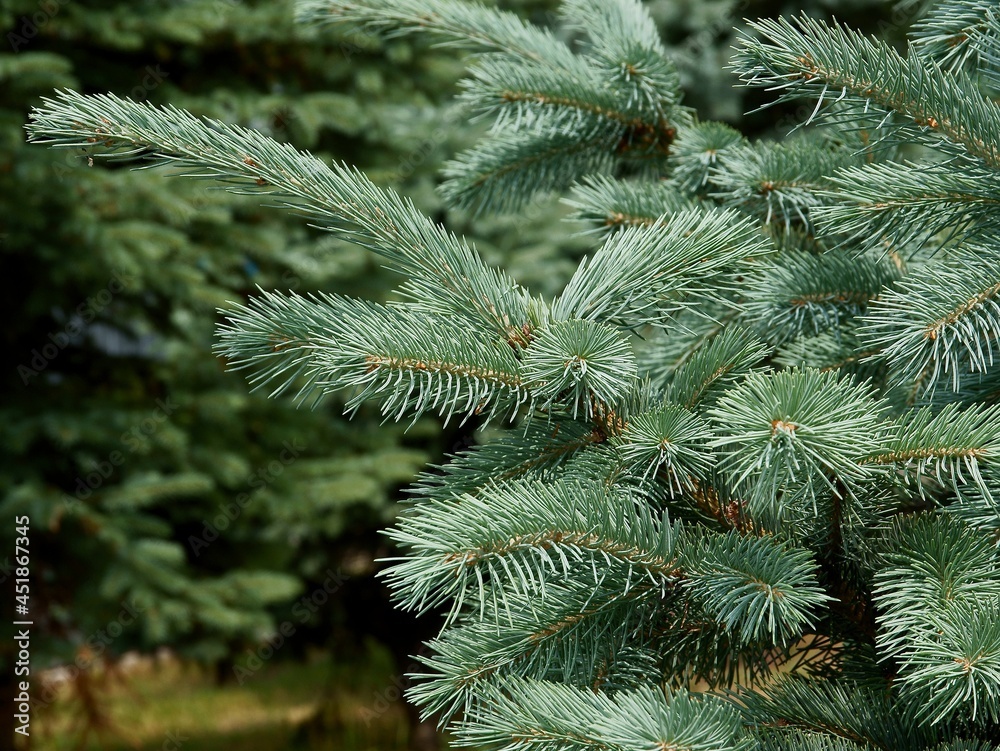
(167, 705)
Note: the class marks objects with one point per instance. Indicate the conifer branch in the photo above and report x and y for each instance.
(537, 450)
(682, 503)
(611, 204)
(939, 594)
(568, 626)
(386, 353)
(854, 711)
(950, 445)
(988, 45)
(444, 271)
(626, 50)
(940, 321)
(699, 150)
(910, 203)
(544, 716)
(797, 293)
(836, 350)
(806, 57)
(641, 274)
(502, 173)
(950, 33)
(778, 182)
(759, 590)
(469, 25)
(980, 509)
(786, 434)
(514, 535)
(669, 444)
(559, 116)
(715, 367)
(584, 366)
(517, 92)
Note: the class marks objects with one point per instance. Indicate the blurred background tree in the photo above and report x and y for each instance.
(153, 480)
(155, 483)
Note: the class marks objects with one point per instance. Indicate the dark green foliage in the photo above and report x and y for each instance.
(153, 480)
(752, 448)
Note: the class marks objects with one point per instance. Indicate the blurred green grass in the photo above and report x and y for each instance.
(156, 705)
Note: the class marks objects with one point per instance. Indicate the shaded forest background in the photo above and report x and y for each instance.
(171, 507)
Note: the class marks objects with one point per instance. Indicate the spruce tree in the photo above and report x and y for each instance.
(193, 515)
(738, 488)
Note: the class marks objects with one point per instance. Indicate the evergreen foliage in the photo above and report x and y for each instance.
(192, 514)
(748, 499)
